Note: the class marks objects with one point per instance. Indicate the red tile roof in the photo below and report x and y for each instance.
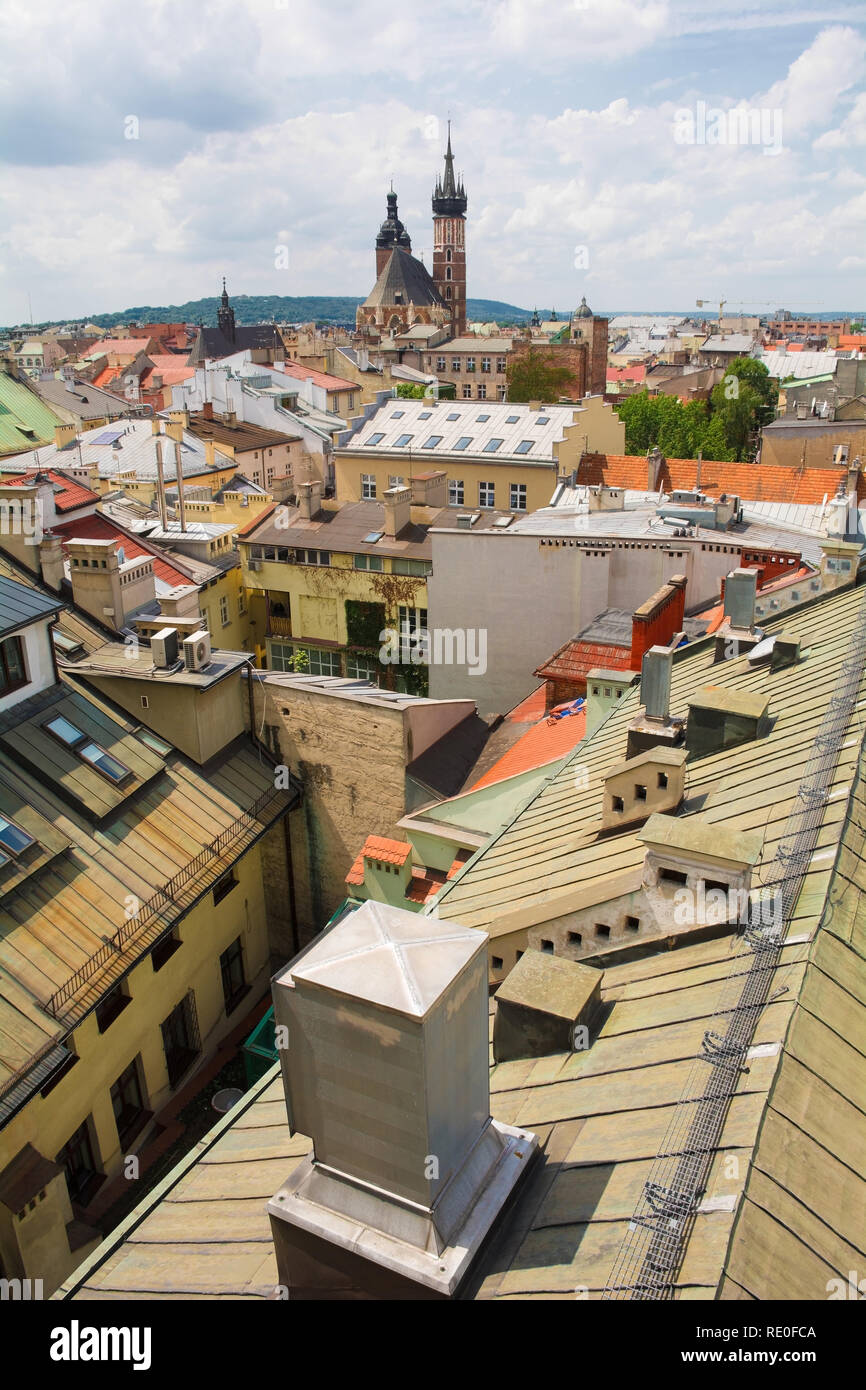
(386, 851)
(575, 659)
(635, 373)
(68, 493)
(852, 340)
(463, 857)
(754, 482)
(256, 520)
(546, 742)
(330, 383)
(99, 528)
(122, 346)
(424, 885)
(356, 873)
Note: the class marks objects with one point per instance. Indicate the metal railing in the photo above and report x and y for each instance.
(76, 997)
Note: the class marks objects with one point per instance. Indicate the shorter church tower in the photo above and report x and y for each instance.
(226, 316)
(391, 233)
(449, 242)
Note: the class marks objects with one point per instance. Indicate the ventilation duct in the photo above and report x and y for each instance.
(542, 1004)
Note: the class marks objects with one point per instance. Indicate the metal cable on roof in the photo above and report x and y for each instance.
(652, 1251)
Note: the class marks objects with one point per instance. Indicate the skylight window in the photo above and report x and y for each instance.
(543, 420)
(102, 761)
(374, 439)
(512, 419)
(491, 446)
(524, 446)
(13, 839)
(398, 414)
(66, 732)
(85, 748)
(464, 441)
(372, 537)
(432, 441)
(479, 419)
(452, 417)
(425, 414)
(402, 441)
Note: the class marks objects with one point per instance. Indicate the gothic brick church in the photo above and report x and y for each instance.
(405, 293)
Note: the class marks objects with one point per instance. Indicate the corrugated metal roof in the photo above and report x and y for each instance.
(479, 421)
(25, 419)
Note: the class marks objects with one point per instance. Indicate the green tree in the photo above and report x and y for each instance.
(534, 376)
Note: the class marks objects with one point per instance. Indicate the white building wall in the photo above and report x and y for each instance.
(38, 659)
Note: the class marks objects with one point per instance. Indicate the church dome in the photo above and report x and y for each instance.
(584, 312)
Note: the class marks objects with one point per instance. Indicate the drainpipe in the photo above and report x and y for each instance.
(181, 510)
(160, 487)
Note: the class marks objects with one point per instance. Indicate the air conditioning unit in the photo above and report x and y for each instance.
(196, 650)
(254, 564)
(163, 646)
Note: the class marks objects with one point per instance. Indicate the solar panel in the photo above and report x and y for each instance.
(107, 437)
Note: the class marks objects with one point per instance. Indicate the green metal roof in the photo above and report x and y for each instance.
(25, 420)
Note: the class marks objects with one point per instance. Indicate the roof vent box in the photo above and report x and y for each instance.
(541, 1004)
(721, 717)
(385, 1068)
(163, 646)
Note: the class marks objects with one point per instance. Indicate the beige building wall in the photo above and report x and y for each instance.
(803, 444)
(83, 1093)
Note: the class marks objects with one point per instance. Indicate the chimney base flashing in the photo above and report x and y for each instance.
(644, 733)
(338, 1239)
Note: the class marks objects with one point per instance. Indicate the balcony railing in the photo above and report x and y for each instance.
(157, 915)
(279, 627)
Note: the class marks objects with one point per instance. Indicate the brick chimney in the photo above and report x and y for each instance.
(657, 620)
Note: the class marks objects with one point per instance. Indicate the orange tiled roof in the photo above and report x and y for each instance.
(544, 743)
(330, 383)
(105, 376)
(852, 340)
(754, 482)
(99, 528)
(386, 851)
(124, 346)
(714, 615)
(70, 495)
(463, 857)
(575, 659)
(424, 885)
(356, 873)
(256, 520)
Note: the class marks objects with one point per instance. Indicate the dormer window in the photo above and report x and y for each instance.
(13, 672)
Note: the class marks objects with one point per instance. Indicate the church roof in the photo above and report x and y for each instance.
(212, 342)
(405, 277)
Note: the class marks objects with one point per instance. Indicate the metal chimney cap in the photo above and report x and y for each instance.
(389, 957)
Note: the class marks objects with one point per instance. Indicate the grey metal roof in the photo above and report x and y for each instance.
(20, 605)
(403, 275)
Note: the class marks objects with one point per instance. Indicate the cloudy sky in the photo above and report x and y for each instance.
(150, 149)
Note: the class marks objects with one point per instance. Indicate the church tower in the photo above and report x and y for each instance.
(391, 233)
(226, 316)
(449, 242)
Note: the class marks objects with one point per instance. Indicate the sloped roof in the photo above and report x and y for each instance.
(99, 528)
(68, 494)
(25, 419)
(751, 481)
(404, 275)
(554, 736)
(20, 604)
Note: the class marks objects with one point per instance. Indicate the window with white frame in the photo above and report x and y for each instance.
(440, 364)
(518, 497)
(482, 390)
(395, 480)
(500, 364)
(467, 390)
(487, 494)
(455, 364)
(368, 486)
(412, 619)
(470, 364)
(455, 492)
(224, 611)
(485, 364)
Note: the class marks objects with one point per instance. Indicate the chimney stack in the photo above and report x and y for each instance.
(309, 499)
(207, 410)
(178, 465)
(738, 634)
(654, 724)
(386, 1070)
(160, 487)
(398, 510)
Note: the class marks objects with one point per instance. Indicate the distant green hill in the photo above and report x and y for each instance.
(263, 308)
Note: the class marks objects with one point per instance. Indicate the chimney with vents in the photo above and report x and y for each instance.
(541, 1003)
(385, 1068)
(398, 511)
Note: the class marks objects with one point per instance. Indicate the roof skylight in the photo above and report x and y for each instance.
(403, 440)
(374, 439)
(86, 749)
(464, 441)
(432, 441)
(524, 446)
(13, 839)
(491, 446)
